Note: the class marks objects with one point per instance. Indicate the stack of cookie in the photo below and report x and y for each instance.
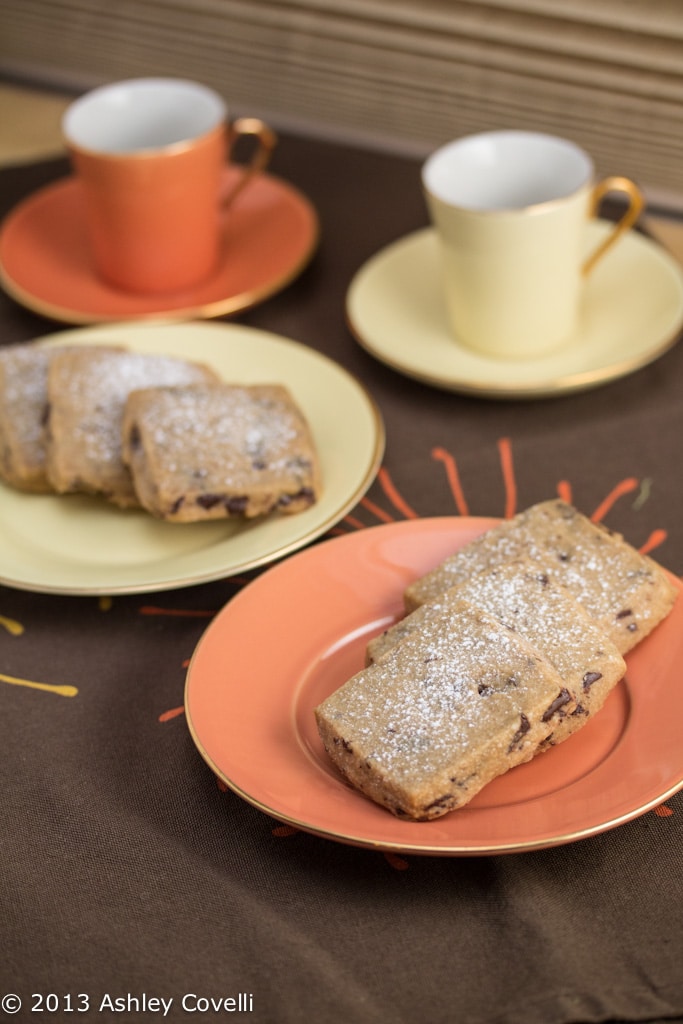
(151, 431)
(507, 648)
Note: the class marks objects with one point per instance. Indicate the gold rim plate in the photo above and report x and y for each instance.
(261, 739)
(75, 544)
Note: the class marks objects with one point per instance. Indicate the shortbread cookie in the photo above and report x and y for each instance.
(87, 392)
(444, 712)
(546, 614)
(210, 451)
(23, 409)
(626, 594)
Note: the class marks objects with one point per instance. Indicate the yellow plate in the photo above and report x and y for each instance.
(632, 313)
(75, 544)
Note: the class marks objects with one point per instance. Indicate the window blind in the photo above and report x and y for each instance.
(392, 73)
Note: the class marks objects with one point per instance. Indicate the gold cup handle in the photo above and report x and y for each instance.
(266, 142)
(636, 202)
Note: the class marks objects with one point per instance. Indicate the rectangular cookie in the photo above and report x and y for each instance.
(87, 392)
(23, 410)
(546, 614)
(445, 711)
(209, 451)
(626, 594)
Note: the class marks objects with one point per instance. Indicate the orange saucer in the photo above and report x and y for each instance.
(270, 234)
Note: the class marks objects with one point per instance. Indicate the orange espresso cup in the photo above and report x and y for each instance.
(150, 155)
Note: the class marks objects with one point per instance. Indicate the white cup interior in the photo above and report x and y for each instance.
(142, 114)
(506, 170)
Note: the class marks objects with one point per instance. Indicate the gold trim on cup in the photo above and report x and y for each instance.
(266, 143)
(636, 203)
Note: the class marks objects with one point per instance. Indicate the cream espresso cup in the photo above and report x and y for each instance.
(510, 209)
(150, 155)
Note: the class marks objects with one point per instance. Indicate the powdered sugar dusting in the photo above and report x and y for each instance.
(23, 377)
(598, 569)
(526, 599)
(93, 386)
(220, 449)
(239, 422)
(23, 409)
(442, 696)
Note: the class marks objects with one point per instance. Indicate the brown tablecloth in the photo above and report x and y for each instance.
(128, 874)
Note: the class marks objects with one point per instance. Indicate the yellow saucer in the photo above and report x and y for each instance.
(632, 313)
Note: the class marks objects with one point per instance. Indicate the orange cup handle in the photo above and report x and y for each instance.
(266, 140)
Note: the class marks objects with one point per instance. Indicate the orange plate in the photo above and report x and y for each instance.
(270, 234)
(299, 631)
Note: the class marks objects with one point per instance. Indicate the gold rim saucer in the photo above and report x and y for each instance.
(270, 234)
(632, 314)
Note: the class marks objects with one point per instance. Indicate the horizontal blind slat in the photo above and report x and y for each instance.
(403, 74)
